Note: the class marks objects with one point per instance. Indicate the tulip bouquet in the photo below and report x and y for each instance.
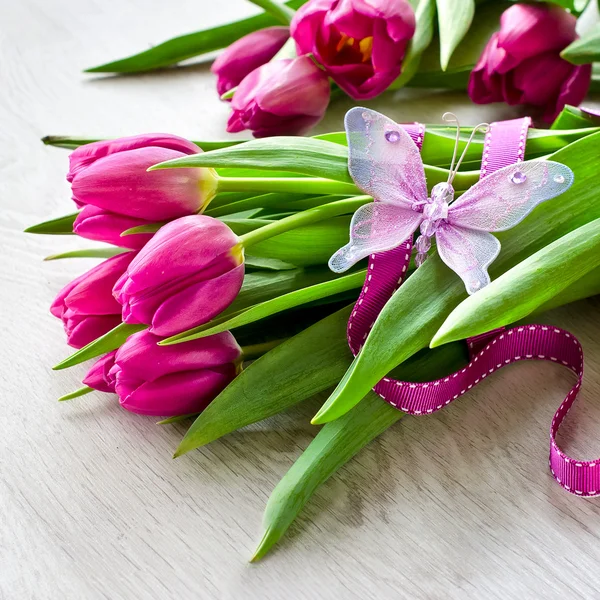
(279, 68)
(213, 302)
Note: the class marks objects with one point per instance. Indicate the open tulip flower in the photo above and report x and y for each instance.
(521, 63)
(112, 175)
(190, 271)
(360, 44)
(172, 380)
(86, 305)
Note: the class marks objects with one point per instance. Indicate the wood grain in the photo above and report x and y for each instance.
(456, 505)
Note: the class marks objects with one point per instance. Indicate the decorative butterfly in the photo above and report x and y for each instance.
(385, 163)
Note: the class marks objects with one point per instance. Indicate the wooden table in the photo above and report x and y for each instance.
(456, 505)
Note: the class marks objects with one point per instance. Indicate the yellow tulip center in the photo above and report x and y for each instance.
(364, 46)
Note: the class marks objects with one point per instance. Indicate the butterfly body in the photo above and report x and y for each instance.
(385, 163)
(435, 213)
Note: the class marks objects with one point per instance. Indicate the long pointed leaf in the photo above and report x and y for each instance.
(58, 226)
(187, 46)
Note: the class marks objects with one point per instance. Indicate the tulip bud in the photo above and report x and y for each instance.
(189, 272)
(283, 97)
(86, 305)
(113, 176)
(521, 63)
(173, 380)
(95, 223)
(97, 377)
(360, 44)
(246, 54)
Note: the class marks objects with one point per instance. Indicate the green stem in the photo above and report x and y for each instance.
(298, 185)
(80, 392)
(306, 217)
(281, 12)
(254, 351)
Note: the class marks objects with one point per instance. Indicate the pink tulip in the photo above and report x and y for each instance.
(97, 377)
(113, 176)
(95, 223)
(521, 63)
(173, 380)
(247, 54)
(189, 272)
(86, 305)
(283, 97)
(360, 43)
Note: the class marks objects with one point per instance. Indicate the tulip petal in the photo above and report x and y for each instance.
(197, 304)
(177, 393)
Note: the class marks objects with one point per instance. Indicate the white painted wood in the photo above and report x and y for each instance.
(456, 505)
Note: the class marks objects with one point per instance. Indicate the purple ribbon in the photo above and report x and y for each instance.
(504, 145)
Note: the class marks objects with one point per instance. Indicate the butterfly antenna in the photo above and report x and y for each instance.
(452, 118)
(484, 128)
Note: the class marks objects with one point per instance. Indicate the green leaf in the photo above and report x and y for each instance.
(58, 226)
(273, 200)
(71, 142)
(524, 288)
(280, 12)
(271, 307)
(82, 391)
(424, 14)
(584, 50)
(417, 310)
(571, 117)
(187, 46)
(454, 19)
(89, 253)
(308, 156)
(264, 263)
(308, 245)
(339, 441)
(587, 286)
(107, 343)
(305, 365)
(261, 286)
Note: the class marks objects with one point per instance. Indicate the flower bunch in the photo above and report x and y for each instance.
(245, 257)
(278, 76)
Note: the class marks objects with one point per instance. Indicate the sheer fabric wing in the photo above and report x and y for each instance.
(383, 160)
(468, 253)
(504, 198)
(375, 227)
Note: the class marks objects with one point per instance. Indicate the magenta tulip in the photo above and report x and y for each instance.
(245, 55)
(283, 97)
(173, 380)
(97, 377)
(360, 43)
(95, 223)
(113, 176)
(86, 305)
(189, 272)
(521, 63)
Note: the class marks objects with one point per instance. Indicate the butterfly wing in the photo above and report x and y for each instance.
(375, 227)
(468, 252)
(383, 160)
(504, 198)
(385, 163)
